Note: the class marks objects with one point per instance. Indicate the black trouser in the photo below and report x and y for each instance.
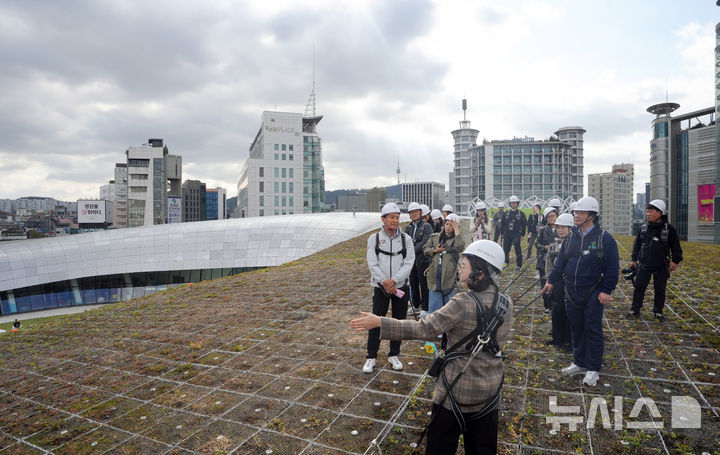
(418, 284)
(496, 235)
(560, 322)
(509, 240)
(547, 300)
(642, 279)
(381, 302)
(480, 436)
(531, 242)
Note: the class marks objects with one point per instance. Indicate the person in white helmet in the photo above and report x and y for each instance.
(497, 222)
(546, 237)
(425, 213)
(444, 252)
(437, 219)
(420, 232)
(535, 222)
(470, 407)
(656, 252)
(390, 258)
(589, 262)
(482, 222)
(446, 210)
(561, 336)
(513, 230)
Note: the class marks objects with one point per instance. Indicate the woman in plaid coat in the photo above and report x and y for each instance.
(476, 391)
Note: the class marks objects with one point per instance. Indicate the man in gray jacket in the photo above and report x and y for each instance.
(390, 258)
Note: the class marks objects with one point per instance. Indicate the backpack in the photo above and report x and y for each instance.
(403, 251)
(664, 235)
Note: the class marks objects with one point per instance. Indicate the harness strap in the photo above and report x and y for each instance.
(403, 251)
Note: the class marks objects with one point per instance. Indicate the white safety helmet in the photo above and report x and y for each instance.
(565, 219)
(447, 208)
(488, 250)
(549, 210)
(481, 206)
(555, 202)
(413, 206)
(572, 206)
(501, 205)
(514, 198)
(658, 204)
(587, 204)
(453, 217)
(425, 209)
(388, 208)
(435, 214)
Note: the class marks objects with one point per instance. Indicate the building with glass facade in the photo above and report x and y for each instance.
(283, 174)
(114, 265)
(216, 204)
(683, 169)
(153, 176)
(431, 194)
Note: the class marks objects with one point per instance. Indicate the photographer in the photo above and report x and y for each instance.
(513, 230)
(470, 405)
(656, 253)
(482, 222)
(420, 232)
(444, 251)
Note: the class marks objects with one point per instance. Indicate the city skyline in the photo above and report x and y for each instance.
(82, 84)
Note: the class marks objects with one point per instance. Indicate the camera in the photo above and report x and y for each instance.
(436, 366)
(629, 272)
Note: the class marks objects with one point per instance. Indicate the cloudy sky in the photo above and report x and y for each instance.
(83, 80)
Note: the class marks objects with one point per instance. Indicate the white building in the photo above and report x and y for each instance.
(614, 192)
(150, 169)
(431, 194)
(283, 174)
(116, 191)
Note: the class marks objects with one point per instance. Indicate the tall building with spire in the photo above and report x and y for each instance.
(398, 170)
(465, 180)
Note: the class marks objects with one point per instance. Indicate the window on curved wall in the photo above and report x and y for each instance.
(22, 301)
(660, 130)
(35, 295)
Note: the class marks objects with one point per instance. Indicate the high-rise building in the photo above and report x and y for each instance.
(116, 191)
(216, 204)
(614, 191)
(153, 175)
(528, 168)
(375, 199)
(431, 194)
(683, 169)
(283, 174)
(641, 201)
(194, 201)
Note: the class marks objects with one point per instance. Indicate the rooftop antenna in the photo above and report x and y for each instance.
(465, 123)
(398, 169)
(310, 108)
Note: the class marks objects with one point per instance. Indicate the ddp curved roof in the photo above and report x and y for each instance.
(239, 242)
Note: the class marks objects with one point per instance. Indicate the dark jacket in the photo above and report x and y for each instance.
(419, 236)
(582, 267)
(532, 223)
(513, 224)
(649, 249)
(546, 237)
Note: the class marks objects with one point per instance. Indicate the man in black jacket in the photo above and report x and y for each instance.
(420, 231)
(656, 253)
(535, 221)
(513, 230)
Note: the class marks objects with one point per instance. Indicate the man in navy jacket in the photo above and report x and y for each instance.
(589, 261)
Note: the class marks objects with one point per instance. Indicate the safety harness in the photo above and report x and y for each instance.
(403, 251)
(482, 338)
(664, 235)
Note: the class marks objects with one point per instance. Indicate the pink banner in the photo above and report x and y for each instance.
(705, 203)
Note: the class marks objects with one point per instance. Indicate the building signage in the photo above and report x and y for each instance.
(278, 129)
(174, 209)
(91, 212)
(706, 193)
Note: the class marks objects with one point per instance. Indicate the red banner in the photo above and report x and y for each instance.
(705, 203)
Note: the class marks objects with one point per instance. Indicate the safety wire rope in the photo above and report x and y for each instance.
(682, 370)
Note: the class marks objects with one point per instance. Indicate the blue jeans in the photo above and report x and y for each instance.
(437, 300)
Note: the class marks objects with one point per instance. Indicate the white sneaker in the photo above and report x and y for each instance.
(412, 311)
(573, 369)
(423, 313)
(395, 362)
(591, 378)
(369, 365)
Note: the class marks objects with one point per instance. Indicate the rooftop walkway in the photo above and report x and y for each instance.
(265, 363)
